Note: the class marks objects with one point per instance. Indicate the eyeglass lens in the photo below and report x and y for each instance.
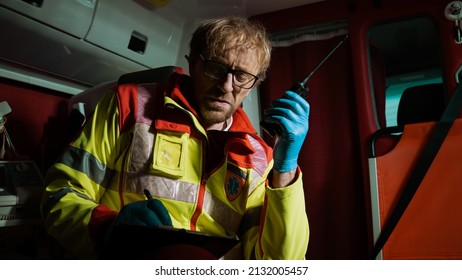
(218, 71)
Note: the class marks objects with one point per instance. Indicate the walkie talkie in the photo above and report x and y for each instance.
(301, 89)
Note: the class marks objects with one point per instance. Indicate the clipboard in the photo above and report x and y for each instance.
(128, 241)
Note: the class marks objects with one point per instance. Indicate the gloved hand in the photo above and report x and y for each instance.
(290, 113)
(145, 213)
(150, 213)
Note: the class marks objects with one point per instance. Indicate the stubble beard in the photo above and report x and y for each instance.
(213, 115)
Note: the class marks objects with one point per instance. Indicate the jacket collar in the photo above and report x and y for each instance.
(179, 89)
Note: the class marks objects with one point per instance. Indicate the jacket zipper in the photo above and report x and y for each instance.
(201, 194)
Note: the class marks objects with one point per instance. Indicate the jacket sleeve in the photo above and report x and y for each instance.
(77, 181)
(283, 231)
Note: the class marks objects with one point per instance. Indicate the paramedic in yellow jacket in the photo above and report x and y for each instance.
(193, 148)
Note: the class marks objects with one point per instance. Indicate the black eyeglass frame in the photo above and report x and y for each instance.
(228, 70)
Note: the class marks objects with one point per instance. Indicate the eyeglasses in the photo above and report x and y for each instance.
(218, 71)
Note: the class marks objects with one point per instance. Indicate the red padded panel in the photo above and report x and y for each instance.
(37, 123)
(430, 228)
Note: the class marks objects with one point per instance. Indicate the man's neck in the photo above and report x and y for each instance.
(224, 126)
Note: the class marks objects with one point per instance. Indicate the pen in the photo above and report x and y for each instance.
(147, 194)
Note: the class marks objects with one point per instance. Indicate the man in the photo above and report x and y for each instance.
(192, 147)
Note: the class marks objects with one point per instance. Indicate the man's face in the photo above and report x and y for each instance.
(217, 100)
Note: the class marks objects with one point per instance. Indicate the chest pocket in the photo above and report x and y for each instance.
(170, 151)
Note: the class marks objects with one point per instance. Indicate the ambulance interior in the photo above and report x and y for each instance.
(54, 51)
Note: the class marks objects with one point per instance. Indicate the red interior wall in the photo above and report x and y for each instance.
(334, 157)
(37, 123)
(328, 158)
(342, 119)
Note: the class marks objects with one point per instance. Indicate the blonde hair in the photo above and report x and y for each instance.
(216, 36)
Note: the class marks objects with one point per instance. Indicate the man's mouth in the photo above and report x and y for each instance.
(217, 102)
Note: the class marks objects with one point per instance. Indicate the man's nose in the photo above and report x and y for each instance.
(227, 82)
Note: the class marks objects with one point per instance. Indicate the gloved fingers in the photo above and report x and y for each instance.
(283, 107)
(281, 121)
(144, 220)
(161, 212)
(145, 213)
(302, 102)
(151, 219)
(288, 121)
(281, 112)
(130, 214)
(294, 108)
(294, 101)
(290, 113)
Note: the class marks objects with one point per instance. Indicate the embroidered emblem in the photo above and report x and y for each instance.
(234, 182)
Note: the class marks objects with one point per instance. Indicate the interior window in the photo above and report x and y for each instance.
(403, 55)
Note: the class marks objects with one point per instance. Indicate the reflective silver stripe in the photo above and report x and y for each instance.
(141, 150)
(221, 213)
(254, 182)
(55, 197)
(188, 192)
(259, 161)
(87, 163)
(162, 187)
(146, 95)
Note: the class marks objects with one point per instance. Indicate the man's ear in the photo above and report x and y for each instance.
(191, 62)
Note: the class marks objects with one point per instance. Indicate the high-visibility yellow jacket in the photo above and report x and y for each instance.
(211, 181)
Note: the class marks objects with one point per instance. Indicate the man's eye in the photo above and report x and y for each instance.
(241, 77)
(217, 68)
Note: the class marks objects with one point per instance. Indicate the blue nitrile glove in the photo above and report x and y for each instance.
(290, 113)
(144, 213)
(150, 213)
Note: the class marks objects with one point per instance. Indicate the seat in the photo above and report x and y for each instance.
(83, 104)
(422, 103)
(429, 227)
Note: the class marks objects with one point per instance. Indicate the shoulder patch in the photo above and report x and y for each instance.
(234, 182)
